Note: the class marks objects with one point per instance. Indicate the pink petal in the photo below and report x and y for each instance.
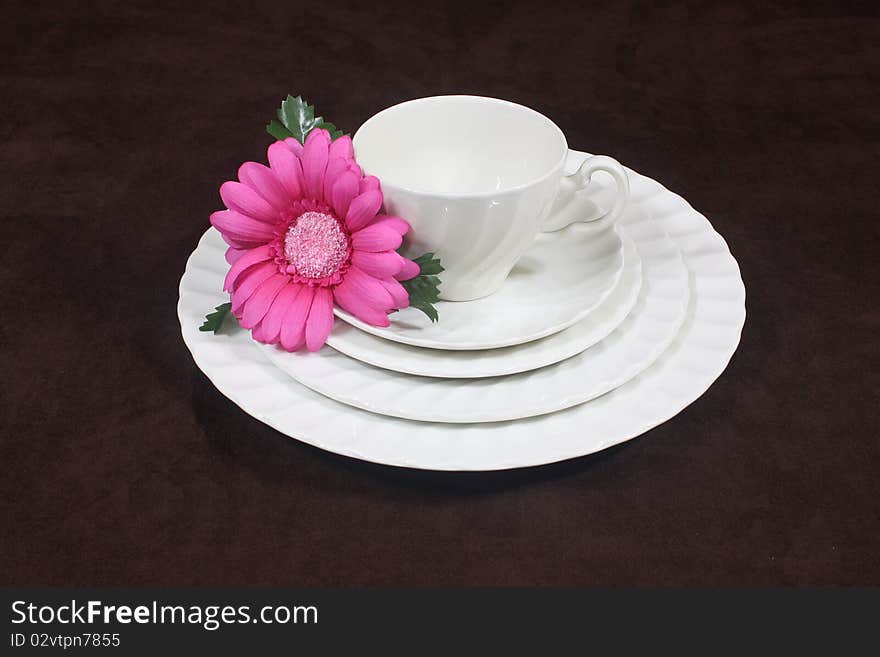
(346, 296)
(342, 147)
(246, 201)
(370, 183)
(233, 254)
(314, 163)
(335, 167)
(271, 324)
(249, 259)
(257, 306)
(344, 190)
(240, 227)
(400, 225)
(397, 291)
(264, 182)
(258, 334)
(363, 209)
(368, 288)
(287, 167)
(408, 271)
(248, 283)
(320, 320)
(241, 244)
(318, 134)
(295, 147)
(354, 168)
(376, 237)
(383, 264)
(293, 325)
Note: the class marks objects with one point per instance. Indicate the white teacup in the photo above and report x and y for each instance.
(477, 178)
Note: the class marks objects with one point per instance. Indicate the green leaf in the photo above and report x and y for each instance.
(214, 320)
(428, 264)
(297, 119)
(277, 130)
(423, 289)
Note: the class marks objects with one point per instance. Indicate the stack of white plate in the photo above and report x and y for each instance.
(596, 337)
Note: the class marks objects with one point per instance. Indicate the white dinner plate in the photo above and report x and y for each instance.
(481, 363)
(638, 341)
(697, 356)
(559, 281)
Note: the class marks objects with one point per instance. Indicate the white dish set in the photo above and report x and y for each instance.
(550, 345)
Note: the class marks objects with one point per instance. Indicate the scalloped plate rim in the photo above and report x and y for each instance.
(503, 361)
(644, 337)
(485, 459)
(522, 337)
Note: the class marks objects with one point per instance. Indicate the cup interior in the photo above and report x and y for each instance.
(454, 145)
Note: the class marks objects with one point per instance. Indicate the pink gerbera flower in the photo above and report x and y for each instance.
(307, 232)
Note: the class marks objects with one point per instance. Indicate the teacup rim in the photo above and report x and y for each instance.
(465, 195)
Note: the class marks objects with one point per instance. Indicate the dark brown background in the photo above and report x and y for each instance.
(121, 464)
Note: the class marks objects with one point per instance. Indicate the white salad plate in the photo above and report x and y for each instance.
(560, 280)
(481, 363)
(632, 347)
(697, 356)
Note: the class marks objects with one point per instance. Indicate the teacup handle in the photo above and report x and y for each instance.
(566, 210)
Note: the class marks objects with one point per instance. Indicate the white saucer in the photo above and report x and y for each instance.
(505, 360)
(638, 341)
(560, 280)
(696, 358)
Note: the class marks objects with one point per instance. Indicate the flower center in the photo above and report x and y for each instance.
(316, 245)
